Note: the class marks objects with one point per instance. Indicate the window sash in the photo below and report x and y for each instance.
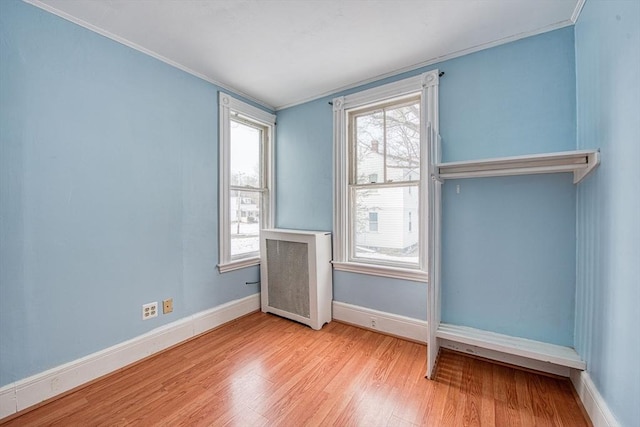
(249, 245)
(232, 109)
(263, 142)
(387, 246)
(384, 108)
(357, 113)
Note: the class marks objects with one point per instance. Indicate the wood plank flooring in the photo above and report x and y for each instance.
(266, 371)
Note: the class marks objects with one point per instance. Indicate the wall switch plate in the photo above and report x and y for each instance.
(167, 306)
(149, 310)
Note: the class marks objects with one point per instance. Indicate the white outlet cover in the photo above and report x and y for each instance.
(149, 310)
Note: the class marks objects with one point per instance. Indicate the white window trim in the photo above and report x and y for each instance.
(228, 106)
(427, 85)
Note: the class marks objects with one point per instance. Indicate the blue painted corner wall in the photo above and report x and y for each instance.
(517, 98)
(108, 193)
(608, 206)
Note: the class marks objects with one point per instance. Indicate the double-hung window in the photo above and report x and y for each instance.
(382, 155)
(246, 196)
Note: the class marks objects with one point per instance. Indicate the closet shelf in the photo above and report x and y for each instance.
(536, 350)
(580, 162)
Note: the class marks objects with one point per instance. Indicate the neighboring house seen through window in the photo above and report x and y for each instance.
(373, 221)
(385, 140)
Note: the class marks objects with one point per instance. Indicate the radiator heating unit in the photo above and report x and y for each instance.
(295, 275)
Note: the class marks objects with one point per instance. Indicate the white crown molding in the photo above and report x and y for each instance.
(132, 45)
(432, 61)
(435, 60)
(576, 12)
(387, 323)
(38, 388)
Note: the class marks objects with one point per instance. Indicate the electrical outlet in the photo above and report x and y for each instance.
(374, 322)
(149, 310)
(167, 306)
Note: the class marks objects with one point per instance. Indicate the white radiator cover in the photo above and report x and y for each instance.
(295, 275)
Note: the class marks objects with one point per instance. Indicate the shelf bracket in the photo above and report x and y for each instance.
(593, 160)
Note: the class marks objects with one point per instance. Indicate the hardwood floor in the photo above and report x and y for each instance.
(264, 370)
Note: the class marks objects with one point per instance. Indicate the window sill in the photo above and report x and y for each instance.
(383, 271)
(238, 264)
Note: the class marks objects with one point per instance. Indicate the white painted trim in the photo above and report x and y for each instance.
(393, 324)
(7, 401)
(30, 391)
(432, 61)
(432, 224)
(237, 265)
(503, 357)
(229, 106)
(531, 349)
(251, 112)
(340, 177)
(576, 12)
(579, 162)
(592, 400)
(383, 271)
(385, 92)
(426, 84)
(132, 45)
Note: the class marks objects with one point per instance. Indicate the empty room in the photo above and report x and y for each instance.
(320, 212)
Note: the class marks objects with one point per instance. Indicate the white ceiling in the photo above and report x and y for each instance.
(283, 52)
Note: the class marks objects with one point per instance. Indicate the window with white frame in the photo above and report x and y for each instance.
(381, 139)
(246, 196)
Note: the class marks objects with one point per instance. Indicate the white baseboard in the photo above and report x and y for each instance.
(592, 400)
(30, 391)
(388, 323)
(7, 401)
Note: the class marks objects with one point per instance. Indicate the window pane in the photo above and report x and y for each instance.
(369, 130)
(245, 222)
(403, 143)
(383, 224)
(373, 221)
(245, 155)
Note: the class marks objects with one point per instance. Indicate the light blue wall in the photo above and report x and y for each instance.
(304, 189)
(108, 193)
(608, 213)
(508, 244)
(514, 99)
(518, 98)
(366, 291)
(508, 255)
